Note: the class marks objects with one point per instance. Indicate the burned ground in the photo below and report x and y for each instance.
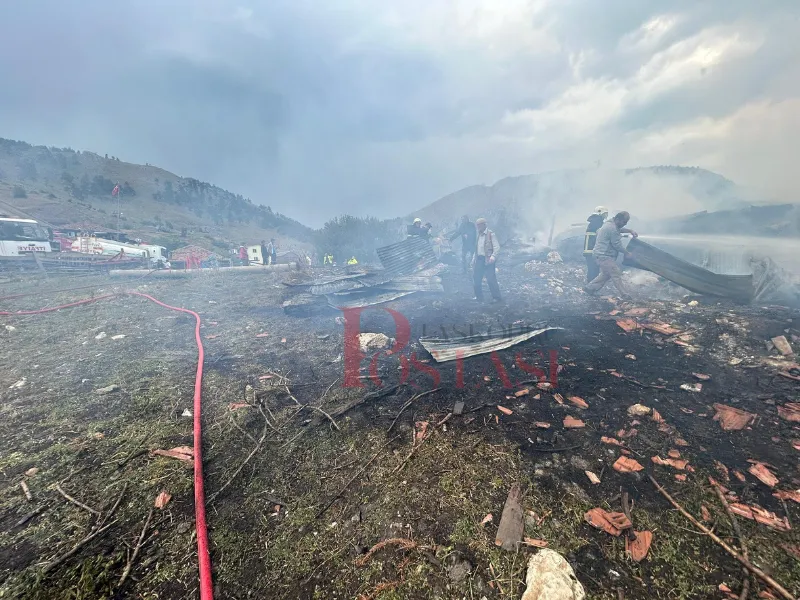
(292, 524)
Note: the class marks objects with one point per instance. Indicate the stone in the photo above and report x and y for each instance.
(107, 390)
(550, 577)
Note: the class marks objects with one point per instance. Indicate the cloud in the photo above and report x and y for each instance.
(319, 108)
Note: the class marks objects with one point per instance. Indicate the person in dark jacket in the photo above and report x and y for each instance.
(469, 239)
(595, 222)
(415, 229)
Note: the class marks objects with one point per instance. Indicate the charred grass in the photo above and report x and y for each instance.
(268, 537)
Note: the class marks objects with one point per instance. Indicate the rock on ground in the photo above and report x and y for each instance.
(550, 577)
(373, 341)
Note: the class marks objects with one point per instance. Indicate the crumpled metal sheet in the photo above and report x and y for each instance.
(408, 256)
(363, 298)
(446, 349)
(414, 283)
(693, 278)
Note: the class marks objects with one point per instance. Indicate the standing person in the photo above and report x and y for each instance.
(486, 250)
(606, 249)
(596, 220)
(264, 253)
(469, 238)
(243, 255)
(272, 250)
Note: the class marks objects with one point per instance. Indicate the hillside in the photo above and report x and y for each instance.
(61, 186)
(531, 202)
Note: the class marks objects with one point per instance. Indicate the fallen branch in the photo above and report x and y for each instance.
(745, 562)
(370, 396)
(399, 467)
(353, 478)
(409, 403)
(404, 543)
(246, 460)
(330, 418)
(54, 563)
(30, 515)
(26, 491)
(138, 547)
(742, 545)
(76, 502)
(114, 508)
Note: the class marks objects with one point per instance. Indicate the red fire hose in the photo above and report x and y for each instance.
(203, 556)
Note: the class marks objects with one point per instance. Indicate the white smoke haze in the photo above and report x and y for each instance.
(320, 109)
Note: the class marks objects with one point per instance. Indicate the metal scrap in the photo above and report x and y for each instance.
(446, 349)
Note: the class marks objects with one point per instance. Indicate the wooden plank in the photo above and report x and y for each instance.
(512, 524)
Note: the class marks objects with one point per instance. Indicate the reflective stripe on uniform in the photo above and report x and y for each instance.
(589, 235)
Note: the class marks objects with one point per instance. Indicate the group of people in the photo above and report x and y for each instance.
(480, 245)
(602, 246)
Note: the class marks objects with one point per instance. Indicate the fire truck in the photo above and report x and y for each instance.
(95, 244)
(20, 237)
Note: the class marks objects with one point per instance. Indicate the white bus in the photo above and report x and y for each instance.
(20, 237)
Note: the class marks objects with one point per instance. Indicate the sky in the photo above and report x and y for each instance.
(319, 107)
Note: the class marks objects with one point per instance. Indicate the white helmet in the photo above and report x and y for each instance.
(417, 220)
(601, 210)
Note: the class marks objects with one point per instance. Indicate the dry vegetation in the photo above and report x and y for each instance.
(268, 537)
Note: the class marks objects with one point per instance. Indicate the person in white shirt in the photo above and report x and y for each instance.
(483, 263)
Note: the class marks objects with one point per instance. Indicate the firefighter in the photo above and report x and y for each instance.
(415, 229)
(328, 259)
(483, 262)
(352, 261)
(595, 220)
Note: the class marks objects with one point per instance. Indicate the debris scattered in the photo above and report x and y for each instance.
(627, 465)
(512, 525)
(18, 384)
(760, 471)
(447, 349)
(628, 325)
(793, 495)
(761, 515)
(630, 356)
(612, 523)
(592, 477)
(671, 462)
(504, 410)
(31, 472)
(578, 401)
(692, 387)
(611, 441)
(534, 543)
(558, 398)
(573, 423)
(487, 519)
(119, 336)
(790, 412)
(702, 376)
(238, 405)
(107, 390)
(162, 500)
(100, 336)
(184, 453)
(542, 425)
(732, 419)
(638, 410)
(521, 393)
(550, 577)
(782, 345)
(26, 491)
(638, 548)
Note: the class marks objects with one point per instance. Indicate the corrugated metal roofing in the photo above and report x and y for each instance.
(693, 278)
(408, 256)
(446, 349)
(361, 299)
